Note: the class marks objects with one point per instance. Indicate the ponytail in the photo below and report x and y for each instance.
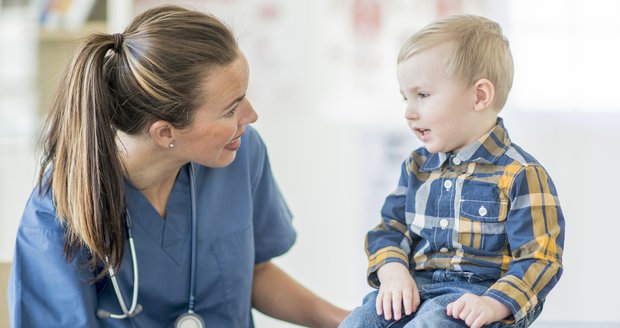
(86, 174)
(156, 67)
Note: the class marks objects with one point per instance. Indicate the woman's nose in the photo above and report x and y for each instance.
(249, 116)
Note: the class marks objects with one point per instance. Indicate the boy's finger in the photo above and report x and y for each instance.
(470, 318)
(466, 311)
(416, 299)
(449, 309)
(478, 323)
(408, 301)
(387, 306)
(379, 303)
(457, 306)
(397, 304)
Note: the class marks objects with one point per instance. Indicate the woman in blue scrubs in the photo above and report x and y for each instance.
(149, 138)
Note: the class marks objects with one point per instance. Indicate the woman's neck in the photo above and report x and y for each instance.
(149, 169)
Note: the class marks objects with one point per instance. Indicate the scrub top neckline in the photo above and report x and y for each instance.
(168, 232)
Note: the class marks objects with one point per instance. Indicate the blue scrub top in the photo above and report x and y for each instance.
(242, 220)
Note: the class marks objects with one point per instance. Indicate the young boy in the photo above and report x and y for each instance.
(473, 235)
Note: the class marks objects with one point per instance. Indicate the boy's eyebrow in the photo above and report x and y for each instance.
(412, 90)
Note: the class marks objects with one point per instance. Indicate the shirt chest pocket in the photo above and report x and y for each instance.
(482, 225)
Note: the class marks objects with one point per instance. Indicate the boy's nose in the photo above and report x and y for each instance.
(410, 113)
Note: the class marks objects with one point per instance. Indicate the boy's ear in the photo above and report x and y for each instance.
(485, 94)
(162, 133)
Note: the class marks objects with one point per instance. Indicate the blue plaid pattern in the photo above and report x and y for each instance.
(490, 210)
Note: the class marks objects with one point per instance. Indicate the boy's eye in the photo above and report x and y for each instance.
(423, 94)
(404, 99)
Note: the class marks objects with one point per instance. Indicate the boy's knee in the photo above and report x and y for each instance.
(432, 314)
(434, 320)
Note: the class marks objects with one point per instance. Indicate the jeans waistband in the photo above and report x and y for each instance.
(437, 276)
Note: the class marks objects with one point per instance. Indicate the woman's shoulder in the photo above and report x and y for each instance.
(40, 212)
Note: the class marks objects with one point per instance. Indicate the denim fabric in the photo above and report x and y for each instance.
(437, 289)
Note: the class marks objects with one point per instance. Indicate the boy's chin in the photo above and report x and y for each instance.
(434, 149)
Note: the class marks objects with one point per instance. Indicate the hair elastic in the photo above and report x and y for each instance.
(118, 42)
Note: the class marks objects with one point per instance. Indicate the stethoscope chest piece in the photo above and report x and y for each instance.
(189, 320)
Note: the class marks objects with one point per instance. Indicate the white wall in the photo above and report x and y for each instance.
(18, 120)
(580, 152)
(17, 175)
(319, 148)
(317, 165)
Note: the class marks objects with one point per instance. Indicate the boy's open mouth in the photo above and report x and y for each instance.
(422, 131)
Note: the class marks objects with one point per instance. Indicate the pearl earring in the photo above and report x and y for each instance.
(171, 145)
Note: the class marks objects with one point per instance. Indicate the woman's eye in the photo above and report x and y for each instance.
(422, 95)
(232, 111)
(404, 99)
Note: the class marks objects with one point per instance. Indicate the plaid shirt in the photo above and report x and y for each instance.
(490, 210)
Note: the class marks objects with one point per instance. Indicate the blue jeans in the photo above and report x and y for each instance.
(437, 289)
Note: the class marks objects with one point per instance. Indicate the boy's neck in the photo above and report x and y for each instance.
(490, 121)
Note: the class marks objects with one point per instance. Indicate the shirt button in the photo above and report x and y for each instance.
(443, 224)
(482, 211)
(447, 184)
(443, 250)
(456, 161)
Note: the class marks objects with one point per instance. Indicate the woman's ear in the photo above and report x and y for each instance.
(485, 94)
(162, 134)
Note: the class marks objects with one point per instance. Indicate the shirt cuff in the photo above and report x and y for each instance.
(514, 294)
(381, 257)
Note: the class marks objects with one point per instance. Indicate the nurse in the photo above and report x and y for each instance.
(156, 203)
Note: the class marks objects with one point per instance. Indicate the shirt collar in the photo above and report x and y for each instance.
(485, 150)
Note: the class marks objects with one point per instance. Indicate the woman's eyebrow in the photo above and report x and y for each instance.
(238, 99)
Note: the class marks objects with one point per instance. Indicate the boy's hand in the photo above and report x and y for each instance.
(397, 289)
(476, 310)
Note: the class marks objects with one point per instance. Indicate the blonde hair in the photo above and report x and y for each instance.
(480, 51)
(153, 71)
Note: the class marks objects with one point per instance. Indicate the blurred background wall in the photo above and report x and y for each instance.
(323, 81)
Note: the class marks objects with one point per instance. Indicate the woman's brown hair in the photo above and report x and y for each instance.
(152, 71)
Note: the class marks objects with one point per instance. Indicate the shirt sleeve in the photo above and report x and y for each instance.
(273, 230)
(390, 241)
(44, 289)
(535, 228)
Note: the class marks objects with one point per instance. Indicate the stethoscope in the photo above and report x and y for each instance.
(190, 319)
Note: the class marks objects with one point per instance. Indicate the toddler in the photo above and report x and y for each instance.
(473, 235)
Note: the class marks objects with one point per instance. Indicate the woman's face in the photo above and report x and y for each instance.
(214, 136)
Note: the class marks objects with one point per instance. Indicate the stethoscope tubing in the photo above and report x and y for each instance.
(192, 277)
(136, 308)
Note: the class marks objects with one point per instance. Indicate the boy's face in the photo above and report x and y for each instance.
(440, 109)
